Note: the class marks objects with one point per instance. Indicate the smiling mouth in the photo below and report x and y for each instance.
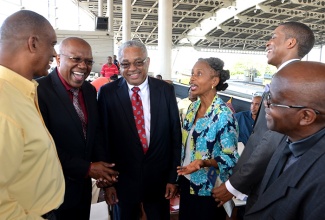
(134, 75)
(78, 75)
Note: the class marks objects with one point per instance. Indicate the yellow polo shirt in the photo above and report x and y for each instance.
(31, 177)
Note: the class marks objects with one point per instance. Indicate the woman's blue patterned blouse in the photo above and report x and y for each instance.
(215, 136)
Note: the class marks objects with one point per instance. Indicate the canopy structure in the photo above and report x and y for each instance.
(218, 24)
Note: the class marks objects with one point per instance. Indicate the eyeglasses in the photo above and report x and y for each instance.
(269, 103)
(88, 62)
(136, 64)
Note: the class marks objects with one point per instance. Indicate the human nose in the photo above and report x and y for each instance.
(193, 76)
(268, 43)
(132, 67)
(82, 64)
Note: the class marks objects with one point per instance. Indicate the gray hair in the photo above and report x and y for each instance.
(257, 94)
(132, 43)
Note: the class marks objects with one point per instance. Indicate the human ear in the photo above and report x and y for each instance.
(308, 116)
(292, 42)
(32, 43)
(58, 60)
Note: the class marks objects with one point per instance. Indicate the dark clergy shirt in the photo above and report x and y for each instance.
(300, 147)
(245, 123)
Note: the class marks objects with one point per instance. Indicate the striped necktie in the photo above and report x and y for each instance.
(139, 117)
(77, 106)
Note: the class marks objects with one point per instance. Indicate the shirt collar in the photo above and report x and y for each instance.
(143, 86)
(298, 148)
(25, 86)
(286, 63)
(65, 84)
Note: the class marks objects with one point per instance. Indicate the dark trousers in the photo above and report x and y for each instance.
(81, 210)
(158, 210)
(193, 207)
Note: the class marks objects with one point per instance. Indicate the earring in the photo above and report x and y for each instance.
(212, 87)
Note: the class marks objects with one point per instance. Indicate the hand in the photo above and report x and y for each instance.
(171, 191)
(111, 196)
(221, 194)
(191, 168)
(102, 183)
(102, 171)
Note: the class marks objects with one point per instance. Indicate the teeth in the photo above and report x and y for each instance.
(78, 73)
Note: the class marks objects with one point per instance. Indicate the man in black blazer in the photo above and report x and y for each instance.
(295, 107)
(78, 143)
(147, 179)
(290, 42)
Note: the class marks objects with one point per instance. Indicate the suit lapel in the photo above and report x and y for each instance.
(290, 177)
(87, 95)
(271, 166)
(64, 97)
(126, 106)
(155, 98)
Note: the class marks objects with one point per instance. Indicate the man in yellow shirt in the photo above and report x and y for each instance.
(31, 178)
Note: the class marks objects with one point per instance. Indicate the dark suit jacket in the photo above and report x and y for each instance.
(63, 123)
(143, 177)
(251, 166)
(299, 191)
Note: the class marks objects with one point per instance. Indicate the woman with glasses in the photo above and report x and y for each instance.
(209, 139)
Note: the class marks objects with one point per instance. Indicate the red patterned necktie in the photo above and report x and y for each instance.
(77, 106)
(139, 117)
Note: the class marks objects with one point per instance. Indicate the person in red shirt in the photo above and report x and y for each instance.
(109, 68)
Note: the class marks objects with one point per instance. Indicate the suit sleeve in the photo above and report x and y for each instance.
(253, 162)
(176, 136)
(103, 117)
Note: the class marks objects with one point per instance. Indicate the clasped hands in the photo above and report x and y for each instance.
(103, 173)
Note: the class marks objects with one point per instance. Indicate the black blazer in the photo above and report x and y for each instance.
(142, 176)
(298, 192)
(62, 121)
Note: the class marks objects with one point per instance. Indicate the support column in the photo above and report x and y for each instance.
(126, 21)
(165, 14)
(100, 8)
(110, 15)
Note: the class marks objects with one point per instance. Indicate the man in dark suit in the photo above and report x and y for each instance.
(147, 165)
(295, 107)
(78, 139)
(290, 42)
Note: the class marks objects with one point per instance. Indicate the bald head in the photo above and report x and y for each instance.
(75, 60)
(297, 100)
(27, 42)
(302, 82)
(21, 25)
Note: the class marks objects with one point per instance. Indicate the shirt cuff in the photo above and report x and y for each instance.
(235, 192)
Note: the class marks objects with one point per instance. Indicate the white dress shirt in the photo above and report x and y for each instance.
(144, 93)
